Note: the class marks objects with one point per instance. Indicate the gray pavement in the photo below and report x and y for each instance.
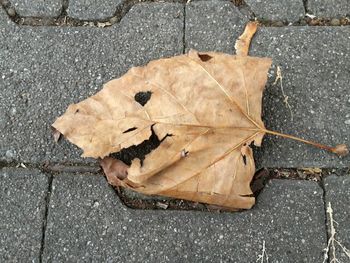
(317, 88)
(38, 8)
(22, 213)
(86, 222)
(92, 9)
(285, 10)
(329, 8)
(213, 25)
(80, 218)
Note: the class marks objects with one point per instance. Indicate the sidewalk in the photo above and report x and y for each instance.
(57, 216)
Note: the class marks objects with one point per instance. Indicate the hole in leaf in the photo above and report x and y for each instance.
(248, 195)
(205, 57)
(130, 130)
(139, 151)
(143, 97)
(184, 153)
(244, 159)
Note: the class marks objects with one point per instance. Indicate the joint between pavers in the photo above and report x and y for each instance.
(48, 168)
(306, 3)
(321, 184)
(64, 20)
(44, 223)
(65, 4)
(245, 9)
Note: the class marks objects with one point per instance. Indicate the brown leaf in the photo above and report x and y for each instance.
(210, 104)
(194, 115)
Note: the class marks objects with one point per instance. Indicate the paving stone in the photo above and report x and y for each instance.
(44, 69)
(86, 222)
(22, 209)
(38, 8)
(329, 8)
(338, 195)
(289, 10)
(92, 9)
(213, 25)
(315, 64)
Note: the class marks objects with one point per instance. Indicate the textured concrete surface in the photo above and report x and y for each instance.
(87, 222)
(44, 69)
(38, 8)
(315, 64)
(92, 9)
(338, 195)
(286, 10)
(329, 8)
(213, 26)
(22, 208)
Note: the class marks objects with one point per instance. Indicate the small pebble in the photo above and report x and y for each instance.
(347, 122)
(13, 111)
(279, 23)
(344, 21)
(10, 154)
(113, 20)
(314, 22)
(335, 22)
(11, 11)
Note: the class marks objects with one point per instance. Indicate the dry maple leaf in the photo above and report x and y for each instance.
(202, 109)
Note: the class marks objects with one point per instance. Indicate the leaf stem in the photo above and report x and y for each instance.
(340, 150)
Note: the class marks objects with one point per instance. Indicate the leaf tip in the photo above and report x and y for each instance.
(56, 134)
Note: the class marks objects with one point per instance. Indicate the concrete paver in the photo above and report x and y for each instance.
(86, 221)
(329, 8)
(22, 211)
(38, 8)
(92, 9)
(212, 26)
(317, 90)
(286, 10)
